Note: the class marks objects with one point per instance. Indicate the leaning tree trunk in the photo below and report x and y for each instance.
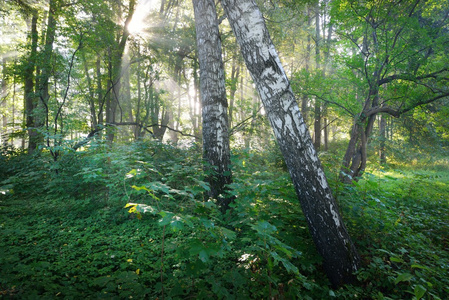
(325, 223)
(216, 149)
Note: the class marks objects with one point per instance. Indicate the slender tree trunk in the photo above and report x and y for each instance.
(235, 74)
(325, 223)
(13, 117)
(326, 129)
(29, 86)
(116, 52)
(305, 97)
(93, 114)
(193, 100)
(317, 110)
(137, 129)
(99, 91)
(383, 138)
(216, 150)
(3, 96)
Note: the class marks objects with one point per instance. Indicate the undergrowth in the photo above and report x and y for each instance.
(65, 231)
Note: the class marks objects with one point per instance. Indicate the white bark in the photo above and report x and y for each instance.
(213, 98)
(325, 223)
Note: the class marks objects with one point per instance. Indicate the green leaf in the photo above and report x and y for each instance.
(159, 186)
(291, 268)
(403, 277)
(208, 224)
(228, 234)
(396, 259)
(177, 223)
(131, 173)
(204, 256)
(140, 188)
(419, 291)
(420, 267)
(143, 208)
(166, 218)
(264, 227)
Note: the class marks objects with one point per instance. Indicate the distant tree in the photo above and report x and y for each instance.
(30, 14)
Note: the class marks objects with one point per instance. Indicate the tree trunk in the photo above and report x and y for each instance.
(383, 138)
(29, 87)
(305, 97)
(137, 129)
(93, 115)
(354, 161)
(100, 96)
(115, 68)
(325, 223)
(216, 150)
(235, 74)
(317, 110)
(194, 102)
(3, 96)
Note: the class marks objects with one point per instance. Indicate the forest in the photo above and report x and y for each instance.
(224, 149)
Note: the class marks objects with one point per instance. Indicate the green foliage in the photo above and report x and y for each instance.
(405, 215)
(65, 232)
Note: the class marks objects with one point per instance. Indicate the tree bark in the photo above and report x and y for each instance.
(93, 114)
(29, 86)
(383, 138)
(325, 223)
(317, 109)
(3, 96)
(305, 97)
(216, 150)
(115, 69)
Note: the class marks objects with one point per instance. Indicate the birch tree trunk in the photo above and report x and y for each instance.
(325, 223)
(216, 151)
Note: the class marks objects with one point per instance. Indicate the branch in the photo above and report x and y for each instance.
(80, 45)
(398, 112)
(410, 77)
(145, 127)
(327, 125)
(175, 130)
(334, 103)
(242, 123)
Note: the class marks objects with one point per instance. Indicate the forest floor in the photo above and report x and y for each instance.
(66, 234)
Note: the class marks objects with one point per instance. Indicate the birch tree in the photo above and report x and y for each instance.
(216, 150)
(325, 223)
